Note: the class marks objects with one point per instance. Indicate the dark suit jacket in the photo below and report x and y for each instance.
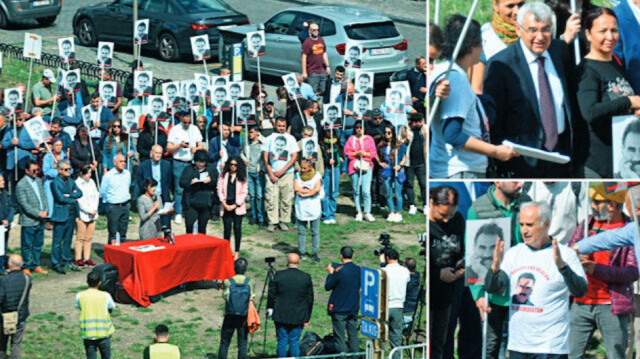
(63, 205)
(509, 83)
(166, 173)
(297, 125)
(291, 297)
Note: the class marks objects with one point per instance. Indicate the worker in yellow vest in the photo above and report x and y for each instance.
(95, 320)
(161, 349)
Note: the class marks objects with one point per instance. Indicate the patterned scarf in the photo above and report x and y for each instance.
(309, 175)
(506, 32)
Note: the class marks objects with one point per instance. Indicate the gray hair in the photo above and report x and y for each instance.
(15, 260)
(544, 211)
(308, 128)
(36, 110)
(634, 193)
(541, 12)
(63, 162)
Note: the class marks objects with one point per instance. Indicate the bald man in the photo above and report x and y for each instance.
(290, 303)
(115, 193)
(11, 288)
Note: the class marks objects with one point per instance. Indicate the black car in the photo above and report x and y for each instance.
(171, 23)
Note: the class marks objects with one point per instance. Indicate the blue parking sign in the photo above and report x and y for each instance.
(370, 329)
(370, 298)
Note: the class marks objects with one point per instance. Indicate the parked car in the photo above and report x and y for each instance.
(385, 49)
(43, 11)
(171, 23)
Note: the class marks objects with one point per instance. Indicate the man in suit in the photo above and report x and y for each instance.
(34, 209)
(65, 210)
(161, 171)
(223, 147)
(290, 303)
(528, 82)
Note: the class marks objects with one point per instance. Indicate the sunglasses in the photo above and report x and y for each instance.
(388, 132)
(233, 164)
(65, 169)
(117, 126)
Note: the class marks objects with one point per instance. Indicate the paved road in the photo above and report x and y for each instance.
(415, 35)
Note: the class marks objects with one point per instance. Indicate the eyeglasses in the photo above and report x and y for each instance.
(233, 164)
(387, 132)
(65, 169)
(532, 31)
(117, 126)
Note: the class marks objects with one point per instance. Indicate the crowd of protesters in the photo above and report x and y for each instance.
(540, 76)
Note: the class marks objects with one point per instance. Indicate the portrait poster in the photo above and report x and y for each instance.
(13, 99)
(156, 108)
(394, 101)
(72, 81)
(38, 130)
(203, 83)
(256, 44)
(142, 32)
(90, 120)
(61, 75)
(362, 106)
(217, 80)
(626, 146)
(32, 46)
(332, 116)
(481, 237)
(246, 112)
(107, 90)
(189, 91)
(405, 89)
(236, 91)
(291, 84)
(364, 82)
(130, 118)
(200, 47)
(170, 93)
(105, 54)
(220, 98)
(352, 55)
(142, 83)
(309, 149)
(67, 49)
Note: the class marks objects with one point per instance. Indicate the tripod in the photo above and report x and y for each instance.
(419, 310)
(271, 272)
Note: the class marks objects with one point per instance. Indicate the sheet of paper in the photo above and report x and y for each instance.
(203, 176)
(3, 233)
(536, 153)
(166, 208)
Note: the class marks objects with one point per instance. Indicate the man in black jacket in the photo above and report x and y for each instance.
(161, 171)
(344, 302)
(290, 303)
(12, 287)
(309, 110)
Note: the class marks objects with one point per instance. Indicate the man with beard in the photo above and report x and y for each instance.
(630, 164)
(157, 110)
(66, 52)
(364, 84)
(610, 274)
(362, 106)
(524, 288)
(71, 82)
(483, 246)
(171, 95)
(141, 33)
(201, 51)
(235, 91)
(503, 199)
(255, 46)
(203, 86)
(104, 56)
(130, 122)
(220, 102)
(115, 90)
(245, 114)
(353, 57)
(143, 86)
(13, 101)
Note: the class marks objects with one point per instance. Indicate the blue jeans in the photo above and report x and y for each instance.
(61, 242)
(393, 188)
(330, 199)
(302, 235)
(256, 195)
(344, 136)
(31, 242)
(288, 335)
(362, 188)
(178, 168)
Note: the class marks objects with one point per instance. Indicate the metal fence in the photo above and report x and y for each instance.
(87, 69)
(360, 355)
(413, 351)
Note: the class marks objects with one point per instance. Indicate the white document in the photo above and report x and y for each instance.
(167, 208)
(203, 176)
(554, 157)
(3, 234)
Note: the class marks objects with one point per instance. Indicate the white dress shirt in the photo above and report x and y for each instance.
(554, 82)
(179, 134)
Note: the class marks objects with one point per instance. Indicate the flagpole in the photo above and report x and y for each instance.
(576, 41)
(15, 149)
(26, 100)
(260, 86)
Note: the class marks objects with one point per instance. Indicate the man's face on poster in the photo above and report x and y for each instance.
(234, 92)
(193, 91)
(66, 49)
(523, 290)
(172, 92)
(86, 115)
(255, 42)
(104, 53)
(72, 80)
(362, 105)
(156, 107)
(220, 95)
(204, 83)
(354, 53)
(332, 113)
(631, 151)
(483, 249)
(363, 83)
(142, 28)
(395, 98)
(280, 145)
(108, 92)
(201, 46)
(13, 99)
(143, 81)
(129, 117)
(245, 111)
(291, 83)
(220, 81)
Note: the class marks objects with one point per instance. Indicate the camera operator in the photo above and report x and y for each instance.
(344, 303)
(413, 288)
(397, 277)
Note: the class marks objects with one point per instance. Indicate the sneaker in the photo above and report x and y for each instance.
(89, 262)
(391, 217)
(80, 263)
(359, 217)
(283, 227)
(327, 221)
(303, 257)
(333, 221)
(413, 209)
(315, 258)
(178, 219)
(59, 269)
(271, 228)
(398, 218)
(369, 218)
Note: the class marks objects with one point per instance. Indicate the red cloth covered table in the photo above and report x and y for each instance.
(191, 258)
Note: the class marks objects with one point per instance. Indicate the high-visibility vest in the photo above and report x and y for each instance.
(95, 321)
(164, 351)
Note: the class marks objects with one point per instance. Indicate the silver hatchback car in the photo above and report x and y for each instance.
(384, 48)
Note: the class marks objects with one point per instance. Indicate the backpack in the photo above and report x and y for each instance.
(239, 294)
(311, 344)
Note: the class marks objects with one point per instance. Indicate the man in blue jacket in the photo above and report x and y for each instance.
(65, 210)
(344, 303)
(161, 171)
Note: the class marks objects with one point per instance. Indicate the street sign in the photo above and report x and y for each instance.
(370, 298)
(370, 329)
(236, 62)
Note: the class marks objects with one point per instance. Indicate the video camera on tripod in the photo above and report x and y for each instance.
(385, 242)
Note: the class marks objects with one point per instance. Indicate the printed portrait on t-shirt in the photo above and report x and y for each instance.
(524, 289)
(278, 150)
(482, 235)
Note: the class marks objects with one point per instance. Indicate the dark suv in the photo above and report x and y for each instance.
(171, 23)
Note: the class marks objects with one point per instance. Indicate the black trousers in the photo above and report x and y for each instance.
(118, 221)
(439, 322)
(93, 346)
(348, 323)
(230, 219)
(230, 324)
(378, 193)
(416, 172)
(518, 355)
(496, 320)
(191, 215)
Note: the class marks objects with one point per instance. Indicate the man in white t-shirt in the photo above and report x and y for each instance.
(398, 277)
(541, 274)
(280, 152)
(183, 141)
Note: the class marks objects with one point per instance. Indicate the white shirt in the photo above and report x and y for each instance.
(334, 91)
(279, 159)
(542, 324)
(491, 43)
(554, 82)
(89, 201)
(446, 160)
(397, 277)
(179, 134)
(635, 10)
(309, 208)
